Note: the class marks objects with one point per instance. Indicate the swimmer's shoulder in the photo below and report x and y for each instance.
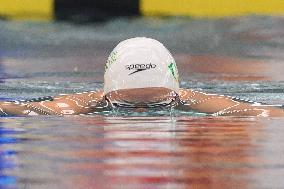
(191, 95)
(88, 94)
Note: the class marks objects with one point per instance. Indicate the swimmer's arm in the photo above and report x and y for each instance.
(219, 105)
(71, 104)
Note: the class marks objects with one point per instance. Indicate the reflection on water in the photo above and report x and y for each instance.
(141, 152)
(8, 156)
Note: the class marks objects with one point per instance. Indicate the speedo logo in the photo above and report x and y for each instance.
(140, 67)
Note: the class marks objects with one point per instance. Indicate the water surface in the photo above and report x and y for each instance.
(141, 152)
(234, 56)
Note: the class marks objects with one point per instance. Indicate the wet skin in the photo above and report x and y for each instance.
(186, 100)
(141, 97)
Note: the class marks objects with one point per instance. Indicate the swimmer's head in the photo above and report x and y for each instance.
(140, 63)
(141, 72)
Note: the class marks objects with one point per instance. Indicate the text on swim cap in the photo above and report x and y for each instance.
(140, 67)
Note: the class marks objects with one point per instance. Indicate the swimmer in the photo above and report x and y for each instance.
(140, 74)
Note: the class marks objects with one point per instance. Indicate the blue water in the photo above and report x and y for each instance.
(240, 57)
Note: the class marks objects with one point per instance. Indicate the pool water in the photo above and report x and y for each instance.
(141, 152)
(240, 57)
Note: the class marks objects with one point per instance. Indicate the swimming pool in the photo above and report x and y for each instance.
(236, 56)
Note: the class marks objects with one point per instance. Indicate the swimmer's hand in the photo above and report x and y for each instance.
(13, 108)
(219, 105)
(72, 104)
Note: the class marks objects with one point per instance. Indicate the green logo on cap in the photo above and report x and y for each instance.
(111, 59)
(174, 71)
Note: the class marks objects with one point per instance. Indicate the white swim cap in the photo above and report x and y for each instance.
(140, 63)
